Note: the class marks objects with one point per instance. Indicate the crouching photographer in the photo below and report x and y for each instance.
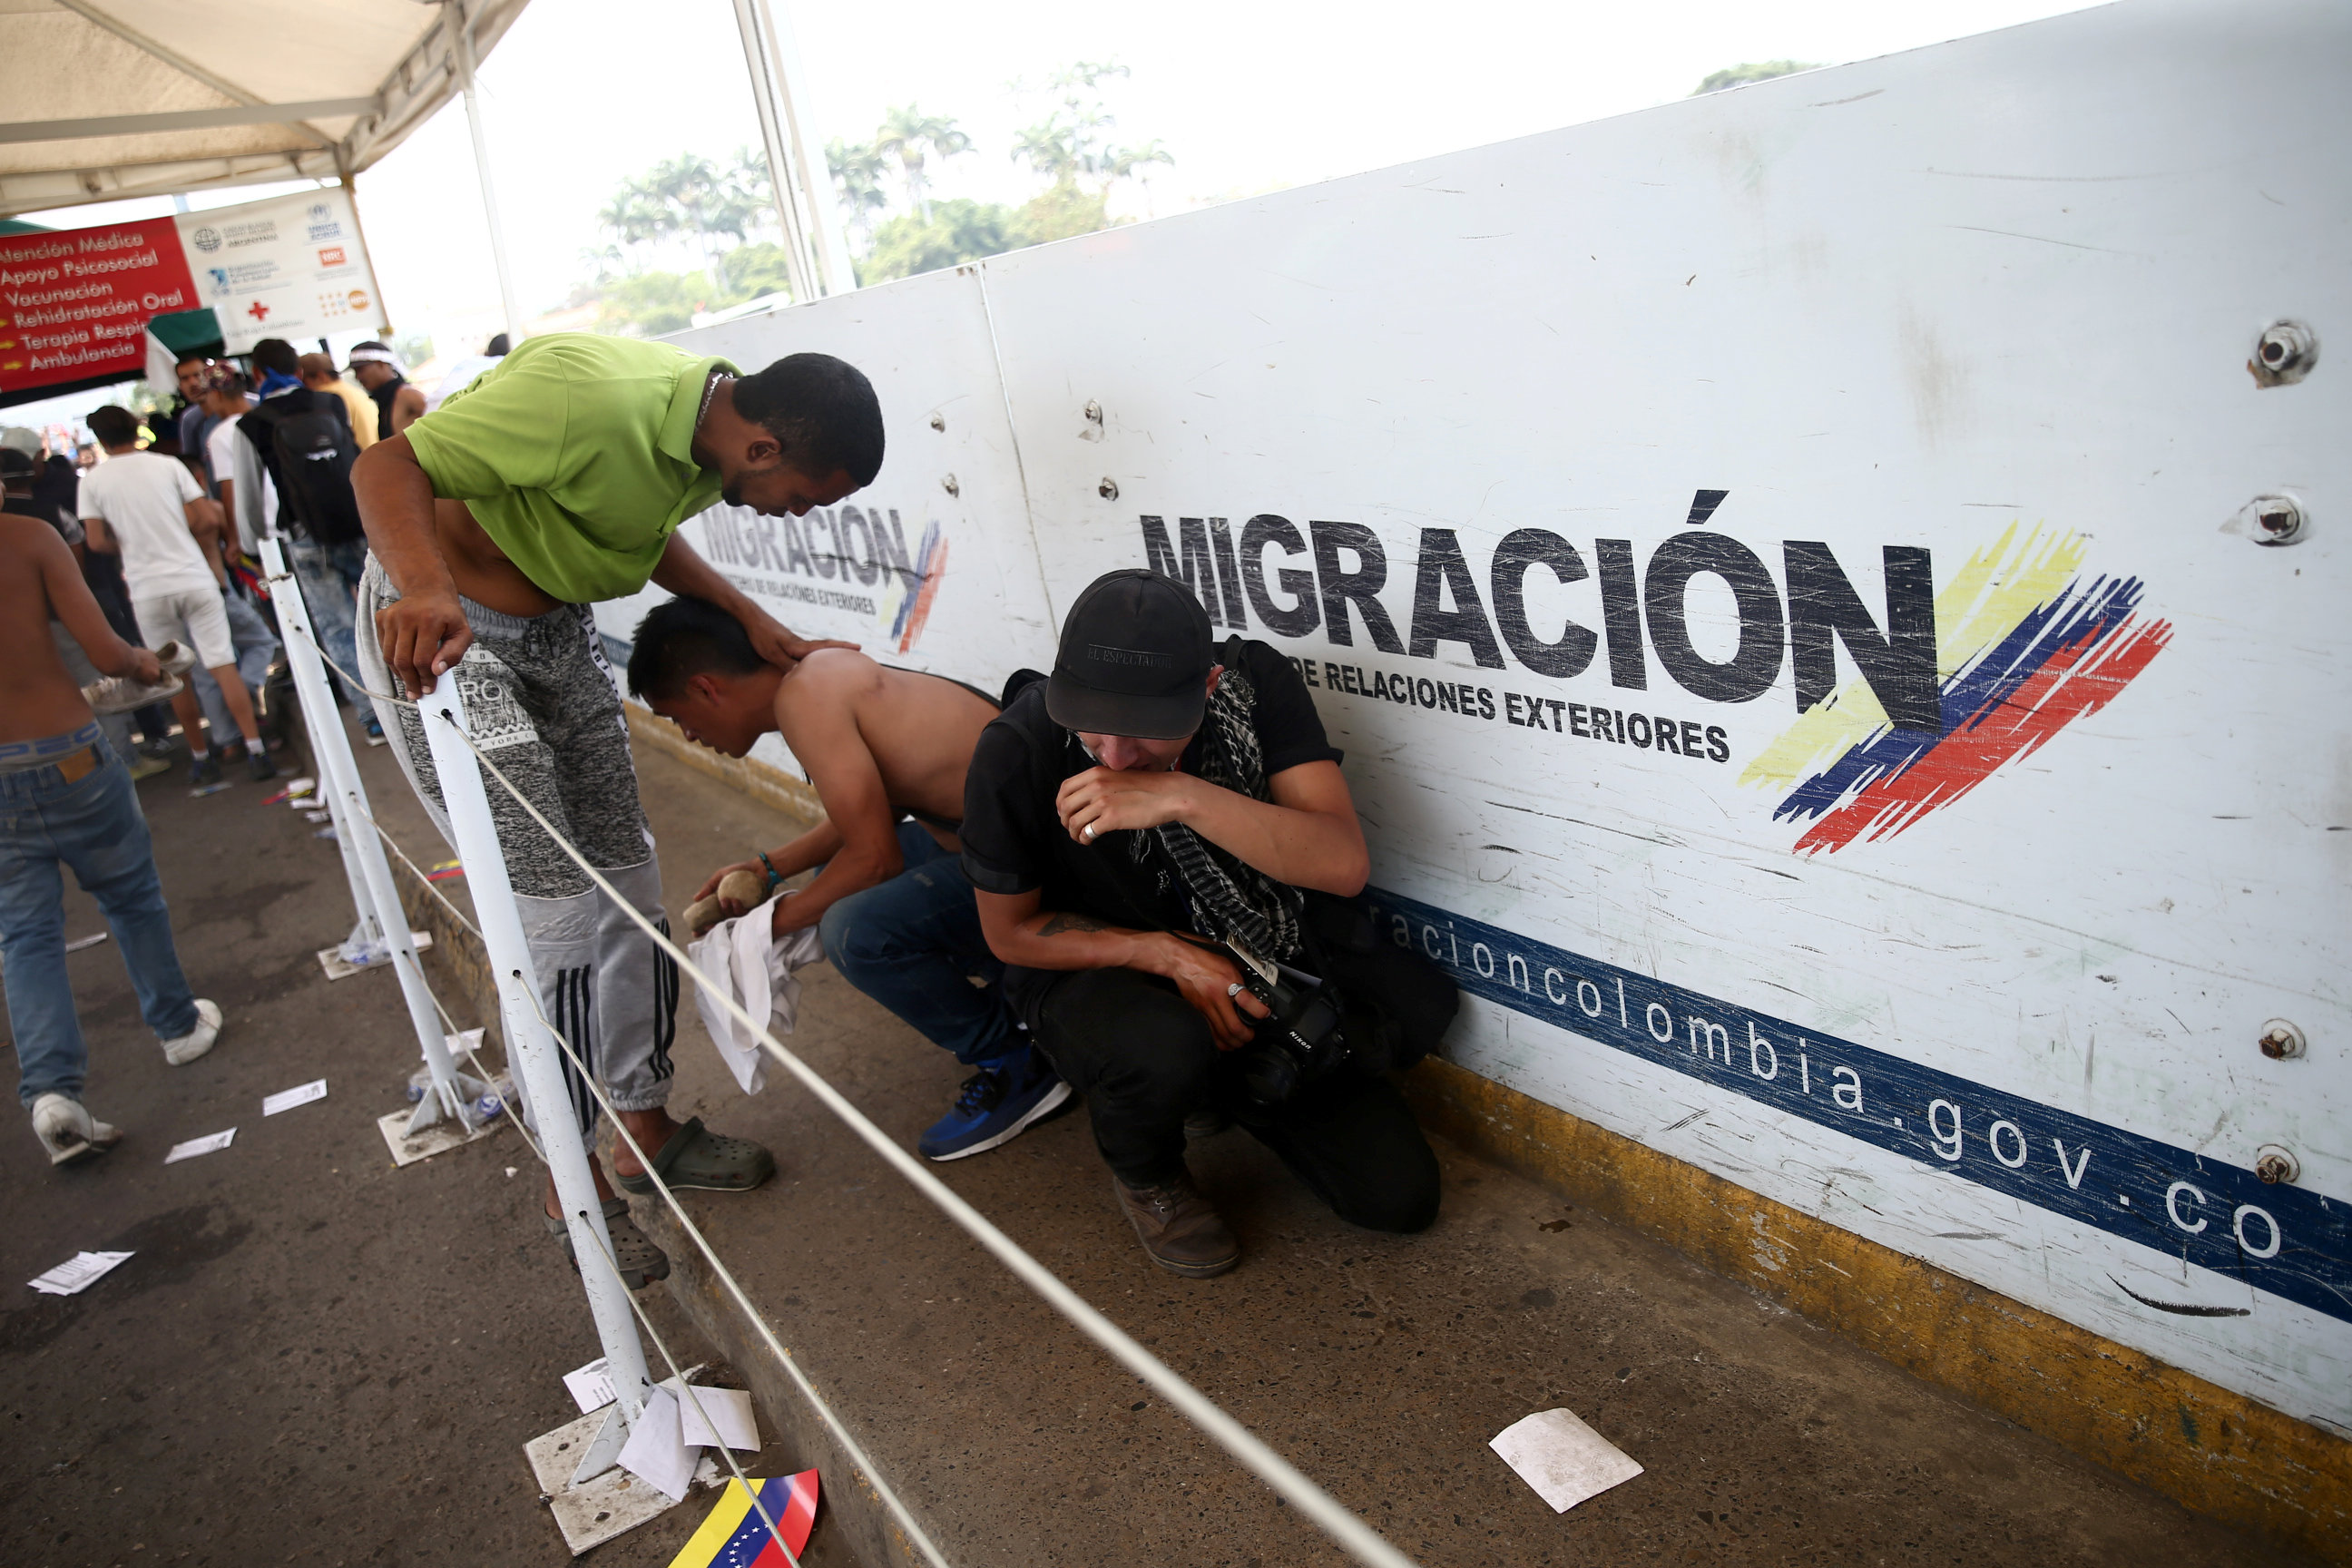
(1166, 859)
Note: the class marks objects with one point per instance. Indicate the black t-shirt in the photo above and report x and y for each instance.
(1014, 840)
(384, 395)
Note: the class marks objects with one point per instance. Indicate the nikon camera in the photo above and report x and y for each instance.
(1301, 1042)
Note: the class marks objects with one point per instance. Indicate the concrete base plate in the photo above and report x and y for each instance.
(338, 967)
(610, 1505)
(438, 1138)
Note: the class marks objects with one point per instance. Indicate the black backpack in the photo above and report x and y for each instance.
(315, 454)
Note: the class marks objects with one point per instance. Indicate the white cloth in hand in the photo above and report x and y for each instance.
(757, 971)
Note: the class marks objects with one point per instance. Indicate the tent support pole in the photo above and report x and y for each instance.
(482, 172)
(817, 255)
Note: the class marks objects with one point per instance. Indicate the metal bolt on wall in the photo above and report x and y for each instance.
(2283, 355)
(2282, 1040)
(2275, 518)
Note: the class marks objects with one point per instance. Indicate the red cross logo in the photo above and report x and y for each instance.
(258, 311)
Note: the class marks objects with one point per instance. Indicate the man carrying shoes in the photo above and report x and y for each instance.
(1133, 827)
(66, 800)
(554, 480)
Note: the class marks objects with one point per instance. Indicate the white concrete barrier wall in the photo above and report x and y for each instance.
(1771, 563)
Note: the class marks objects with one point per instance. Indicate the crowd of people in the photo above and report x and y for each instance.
(1134, 880)
(144, 620)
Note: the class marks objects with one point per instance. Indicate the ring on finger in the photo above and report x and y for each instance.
(1233, 990)
(1088, 832)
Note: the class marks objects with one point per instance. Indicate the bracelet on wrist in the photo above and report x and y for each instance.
(775, 875)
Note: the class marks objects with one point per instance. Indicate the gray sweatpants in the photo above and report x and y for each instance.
(541, 699)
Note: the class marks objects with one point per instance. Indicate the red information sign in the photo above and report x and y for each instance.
(75, 304)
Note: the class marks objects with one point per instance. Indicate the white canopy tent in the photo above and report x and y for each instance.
(114, 98)
(110, 99)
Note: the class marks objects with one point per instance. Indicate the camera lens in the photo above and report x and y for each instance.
(1269, 1075)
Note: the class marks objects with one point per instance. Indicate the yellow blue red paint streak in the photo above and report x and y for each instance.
(2026, 645)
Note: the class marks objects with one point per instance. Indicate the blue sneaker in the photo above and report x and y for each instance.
(999, 1101)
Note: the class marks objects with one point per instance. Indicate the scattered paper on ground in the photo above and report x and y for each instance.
(1565, 1460)
(338, 967)
(653, 1452)
(288, 1099)
(196, 1146)
(736, 1533)
(82, 941)
(727, 1409)
(590, 1385)
(76, 1275)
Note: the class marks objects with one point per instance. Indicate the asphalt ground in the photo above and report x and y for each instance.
(316, 1358)
(1381, 1365)
(313, 1357)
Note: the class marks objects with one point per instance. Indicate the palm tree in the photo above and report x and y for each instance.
(1073, 142)
(636, 215)
(705, 203)
(910, 135)
(1052, 147)
(857, 172)
(748, 179)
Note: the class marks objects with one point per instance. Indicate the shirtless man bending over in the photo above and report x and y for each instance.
(886, 751)
(65, 800)
(553, 481)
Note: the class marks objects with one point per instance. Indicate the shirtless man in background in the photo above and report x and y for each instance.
(66, 799)
(886, 751)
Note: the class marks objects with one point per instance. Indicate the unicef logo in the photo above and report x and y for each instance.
(208, 239)
(320, 212)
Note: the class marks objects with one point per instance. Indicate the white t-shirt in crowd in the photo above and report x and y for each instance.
(255, 495)
(143, 498)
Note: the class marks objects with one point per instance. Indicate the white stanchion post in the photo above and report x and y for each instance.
(309, 686)
(374, 893)
(536, 1067)
(284, 588)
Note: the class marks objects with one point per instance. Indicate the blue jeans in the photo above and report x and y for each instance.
(330, 575)
(94, 825)
(910, 942)
(255, 647)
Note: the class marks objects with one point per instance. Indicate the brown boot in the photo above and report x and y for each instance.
(1179, 1228)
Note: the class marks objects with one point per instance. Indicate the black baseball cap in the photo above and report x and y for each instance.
(1134, 661)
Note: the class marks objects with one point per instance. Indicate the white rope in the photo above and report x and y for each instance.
(655, 1334)
(775, 1531)
(1336, 1521)
(1244, 1445)
(858, 1457)
(424, 879)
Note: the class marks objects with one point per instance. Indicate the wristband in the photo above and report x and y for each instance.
(775, 875)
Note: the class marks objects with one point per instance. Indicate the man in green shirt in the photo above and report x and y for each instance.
(555, 479)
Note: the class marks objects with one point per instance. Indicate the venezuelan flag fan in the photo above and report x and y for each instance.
(736, 1536)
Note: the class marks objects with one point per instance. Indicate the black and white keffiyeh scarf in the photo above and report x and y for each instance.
(1230, 899)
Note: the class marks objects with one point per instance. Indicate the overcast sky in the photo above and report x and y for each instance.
(1248, 95)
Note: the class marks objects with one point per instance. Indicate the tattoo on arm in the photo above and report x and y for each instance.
(1056, 924)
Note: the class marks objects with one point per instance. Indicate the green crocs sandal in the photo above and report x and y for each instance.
(696, 1158)
(639, 1261)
